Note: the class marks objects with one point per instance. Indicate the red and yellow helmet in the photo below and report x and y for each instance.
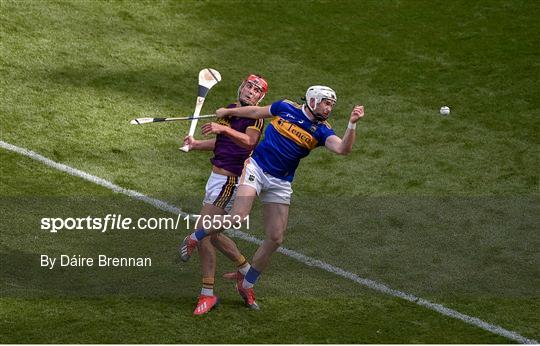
(258, 82)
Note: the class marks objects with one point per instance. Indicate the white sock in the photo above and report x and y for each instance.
(207, 291)
(244, 269)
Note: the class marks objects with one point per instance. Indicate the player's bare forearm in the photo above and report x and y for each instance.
(344, 146)
(207, 144)
(251, 112)
(341, 146)
(347, 142)
(244, 140)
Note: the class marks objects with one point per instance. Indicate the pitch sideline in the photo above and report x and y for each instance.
(309, 261)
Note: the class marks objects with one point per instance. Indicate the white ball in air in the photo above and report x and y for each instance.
(445, 110)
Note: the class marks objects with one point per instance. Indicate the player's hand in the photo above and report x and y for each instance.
(357, 113)
(222, 113)
(190, 142)
(213, 128)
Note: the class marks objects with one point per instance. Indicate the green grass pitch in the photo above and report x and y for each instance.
(443, 207)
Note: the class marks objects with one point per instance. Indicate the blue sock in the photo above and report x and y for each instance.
(199, 234)
(250, 278)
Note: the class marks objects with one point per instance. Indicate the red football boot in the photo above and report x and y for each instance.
(248, 295)
(187, 248)
(205, 304)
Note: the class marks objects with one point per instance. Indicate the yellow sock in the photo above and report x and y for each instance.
(242, 264)
(240, 261)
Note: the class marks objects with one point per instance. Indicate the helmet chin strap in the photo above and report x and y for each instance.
(320, 118)
(243, 103)
(317, 116)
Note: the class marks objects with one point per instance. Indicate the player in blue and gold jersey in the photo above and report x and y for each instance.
(294, 131)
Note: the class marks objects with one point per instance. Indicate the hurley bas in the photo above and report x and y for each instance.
(100, 261)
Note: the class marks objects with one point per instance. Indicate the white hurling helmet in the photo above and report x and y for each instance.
(318, 93)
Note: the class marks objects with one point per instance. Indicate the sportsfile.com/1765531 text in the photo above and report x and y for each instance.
(116, 222)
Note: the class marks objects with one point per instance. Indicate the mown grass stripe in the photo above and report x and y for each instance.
(309, 261)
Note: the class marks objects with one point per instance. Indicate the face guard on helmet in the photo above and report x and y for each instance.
(259, 83)
(319, 93)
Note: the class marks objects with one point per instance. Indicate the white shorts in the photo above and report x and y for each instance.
(221, 191)
(269, 188)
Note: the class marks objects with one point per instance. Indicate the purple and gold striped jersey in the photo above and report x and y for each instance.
(227, 154)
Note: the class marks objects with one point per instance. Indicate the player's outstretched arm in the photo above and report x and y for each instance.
(252, 112)
(344, 146)
(194, 144)
(246, 140)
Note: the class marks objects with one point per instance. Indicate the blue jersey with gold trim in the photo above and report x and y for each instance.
(289, 138)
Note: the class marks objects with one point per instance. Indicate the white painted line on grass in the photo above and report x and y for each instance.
(309, 261)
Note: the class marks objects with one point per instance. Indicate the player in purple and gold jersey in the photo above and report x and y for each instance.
(235, 140)
(294, 131)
